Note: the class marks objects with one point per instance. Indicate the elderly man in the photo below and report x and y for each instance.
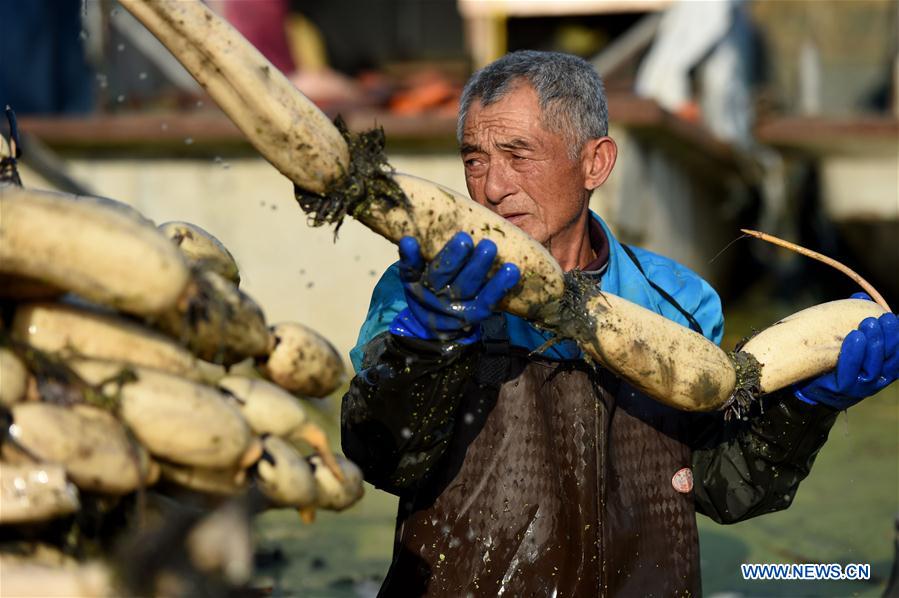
(525, 472)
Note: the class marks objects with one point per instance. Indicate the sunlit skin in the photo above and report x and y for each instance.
(520, 170)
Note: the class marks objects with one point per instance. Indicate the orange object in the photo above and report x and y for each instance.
(430, 93)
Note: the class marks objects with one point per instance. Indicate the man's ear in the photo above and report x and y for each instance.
(598, 159)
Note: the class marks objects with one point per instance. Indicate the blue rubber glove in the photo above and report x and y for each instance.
(868, 363)
(450, 296)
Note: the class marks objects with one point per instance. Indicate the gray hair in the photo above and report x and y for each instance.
(569, 90)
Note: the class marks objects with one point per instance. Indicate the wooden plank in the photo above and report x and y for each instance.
(211, 127)
(869, 134)
(206, 127)
(132, 129)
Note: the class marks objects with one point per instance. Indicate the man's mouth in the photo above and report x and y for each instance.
(516, 218)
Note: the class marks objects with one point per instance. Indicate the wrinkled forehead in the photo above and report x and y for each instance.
(517, 87)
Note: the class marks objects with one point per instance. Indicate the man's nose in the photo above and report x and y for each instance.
(498, 183)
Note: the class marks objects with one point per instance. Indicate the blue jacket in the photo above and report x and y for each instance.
(621, 277)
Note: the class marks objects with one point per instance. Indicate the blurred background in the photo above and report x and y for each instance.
(780, 115)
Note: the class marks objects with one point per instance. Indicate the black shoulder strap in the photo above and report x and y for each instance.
(694, 325)
(494, 362)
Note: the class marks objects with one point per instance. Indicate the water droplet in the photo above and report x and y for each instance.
(164, 126)
(114, 12)
(217, 159)
(120, 98)
(120, 48)
(83, 35)
(142, 75)
(468, 418)
(225, 165)
(189, 141)
(199, 103)
(372, 273)
(406, 433)
(310, 285)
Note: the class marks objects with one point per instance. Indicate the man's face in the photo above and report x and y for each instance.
(519, 170)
